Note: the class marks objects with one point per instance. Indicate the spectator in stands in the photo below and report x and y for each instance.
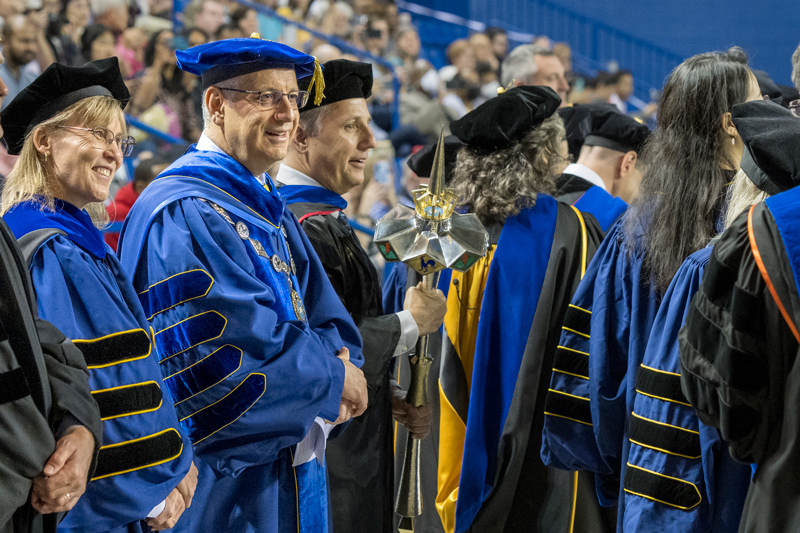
(484, 53)
(97, 42)
(112, 13)
(332, 18)
(11, 7)
(296, 10)
(19, 47)
(499, 40)
(163, 94)
(407, 47)
(543, 41)
(117, 210)
(208, 15)
(130, 50)
(461, 57)
(195, 36)
(44, 52)
(376, 36)
(229, 31)
(65, 33)
(487, 78)
(325, 53)
(161, 8)
(246, 19)
(622, 81)
(529, 64)
(267, 26)
(419, 103)
(564, 54)
(462, 93)
(51, 8)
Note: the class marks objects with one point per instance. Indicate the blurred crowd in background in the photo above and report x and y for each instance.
(411, 102)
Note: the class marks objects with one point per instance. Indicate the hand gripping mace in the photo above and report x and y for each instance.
(428, 239)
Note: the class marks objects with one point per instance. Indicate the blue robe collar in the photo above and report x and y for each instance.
(232, 178)
(311, 194)
(76, 223)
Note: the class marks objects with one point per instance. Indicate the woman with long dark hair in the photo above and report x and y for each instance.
(688, 161)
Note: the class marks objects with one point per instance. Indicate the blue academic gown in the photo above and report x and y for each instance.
(606, 208)
(248, 369)
(602, 344)
(83, 291)
(681, 477)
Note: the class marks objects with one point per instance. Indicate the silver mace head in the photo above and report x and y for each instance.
(432, 236)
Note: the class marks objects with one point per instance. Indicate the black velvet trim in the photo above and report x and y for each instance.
(578, 320)
(670, 491)
(115, 349)
(129, 400)
(669, 439)
(136, 454)
(563, 405)
(660, 385)
(571, 362)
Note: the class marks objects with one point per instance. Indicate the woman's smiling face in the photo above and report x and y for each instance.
(83, 165)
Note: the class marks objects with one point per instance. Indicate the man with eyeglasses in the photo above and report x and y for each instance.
(257, 351)
(326, 158)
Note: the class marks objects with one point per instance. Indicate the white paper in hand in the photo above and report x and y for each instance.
(157, 509)
(313, 444)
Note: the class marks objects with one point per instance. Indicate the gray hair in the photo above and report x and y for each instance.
(741, 195)
(311, 121)
(519, 64)
(796, 68)
(499, 184)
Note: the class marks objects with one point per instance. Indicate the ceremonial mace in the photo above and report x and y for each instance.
(428, 239)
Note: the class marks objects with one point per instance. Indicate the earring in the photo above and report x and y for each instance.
(733, 140)
(45, 156)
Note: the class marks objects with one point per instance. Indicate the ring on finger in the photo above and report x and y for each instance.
(68, 497)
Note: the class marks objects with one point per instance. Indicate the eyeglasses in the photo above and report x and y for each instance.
(269, 99)
(125, 144)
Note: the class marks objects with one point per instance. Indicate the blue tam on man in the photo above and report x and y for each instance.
(222, 60)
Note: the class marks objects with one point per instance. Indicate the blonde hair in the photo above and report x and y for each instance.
(741, 195)
(30, 180)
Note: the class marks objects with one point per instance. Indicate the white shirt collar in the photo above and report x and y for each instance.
(207, 145)
(582, 171)
(290, 176)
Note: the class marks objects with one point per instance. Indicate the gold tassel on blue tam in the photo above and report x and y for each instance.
(318, 81)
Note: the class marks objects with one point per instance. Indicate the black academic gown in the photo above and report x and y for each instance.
(360, 460)
(739, 364)
(44, 389)
(569, 188)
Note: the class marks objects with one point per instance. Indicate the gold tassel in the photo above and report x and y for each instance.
(319, 81)
(501, 90)
(255, 35)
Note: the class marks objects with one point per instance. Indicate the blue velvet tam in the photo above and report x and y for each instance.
(222, 60)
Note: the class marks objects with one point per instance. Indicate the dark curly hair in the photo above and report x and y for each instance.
(500, 184)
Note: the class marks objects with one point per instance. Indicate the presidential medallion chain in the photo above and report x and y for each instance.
(278, 264)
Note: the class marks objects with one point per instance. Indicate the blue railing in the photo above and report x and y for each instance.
(594, 44)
